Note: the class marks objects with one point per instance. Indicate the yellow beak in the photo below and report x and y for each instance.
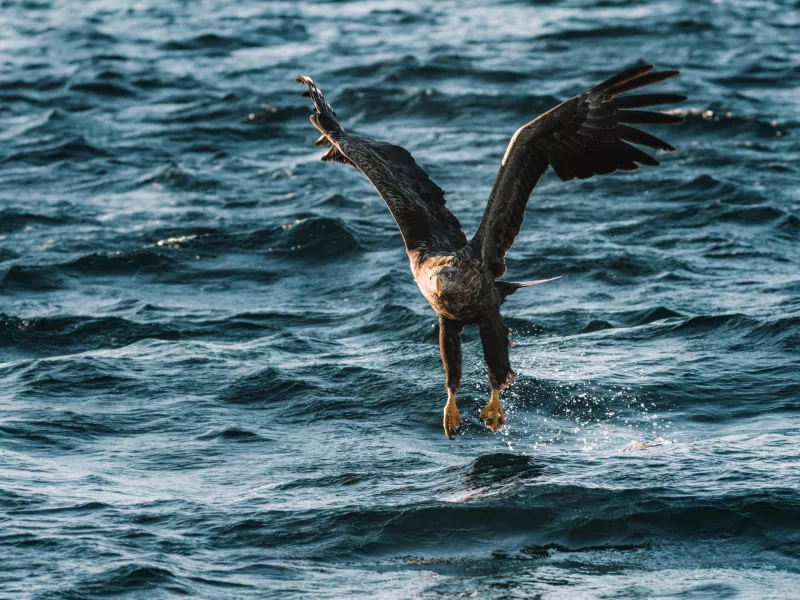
(439, 285)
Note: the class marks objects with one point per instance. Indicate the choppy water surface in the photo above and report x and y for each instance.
(218, 379)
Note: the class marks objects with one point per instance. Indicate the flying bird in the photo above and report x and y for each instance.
(587, 135)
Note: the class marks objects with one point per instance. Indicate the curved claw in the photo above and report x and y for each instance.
(452, 431)
(452, 418)
(492, 414)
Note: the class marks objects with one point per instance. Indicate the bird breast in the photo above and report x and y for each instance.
(463, 298)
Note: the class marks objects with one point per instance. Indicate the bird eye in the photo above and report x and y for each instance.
(449, 275)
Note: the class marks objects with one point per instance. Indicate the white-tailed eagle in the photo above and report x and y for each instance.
(588, 135)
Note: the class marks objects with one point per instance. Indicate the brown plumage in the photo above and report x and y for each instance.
(587, 135)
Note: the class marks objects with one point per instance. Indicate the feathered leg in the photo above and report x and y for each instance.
(450, 347)
(494, 338)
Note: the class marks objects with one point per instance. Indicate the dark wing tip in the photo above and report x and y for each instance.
(646, 117)
(309, 83)
(320, 104)
(642, 100)
(620, 78)
(676, 119)
(639, 81)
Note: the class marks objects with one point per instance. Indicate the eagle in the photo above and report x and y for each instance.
(587, 135)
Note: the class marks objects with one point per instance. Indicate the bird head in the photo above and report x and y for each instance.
(445, 279)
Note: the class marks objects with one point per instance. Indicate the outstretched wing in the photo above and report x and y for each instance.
(582, 137)
(416, 203)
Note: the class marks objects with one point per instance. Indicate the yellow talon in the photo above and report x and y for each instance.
(493, 414)
(452, 418)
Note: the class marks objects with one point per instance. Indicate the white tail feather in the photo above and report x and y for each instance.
(536, 282)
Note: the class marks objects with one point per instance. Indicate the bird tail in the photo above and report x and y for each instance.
(506, 288)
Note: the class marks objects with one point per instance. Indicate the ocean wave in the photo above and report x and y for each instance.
(492, 470)
(786, 329)
(22, 435)
(390, 103)
(74, 334)
(619, 519)
(659, 313)
(211, 42)
(138, 261)
(104, 87)
(339, 201)
(52, 335)
(723, 121)
(234, 434)
(729, 330)
(173, 175)
(84, 507)
(74, 149)
(615, 267)
(172, 265)
(15, 220)
(277, 319)
(60, 378)
(307, 236)
(264, 387)
(34, 278)
(592, 31)
(436, 69)
(399, 321)
(14, 500)
(753, 215)
(42, 82)
(131, 577)
(790, 224)
(6, 254)
(317, 238)
(596, 325)
(653, 323)
(398, 16)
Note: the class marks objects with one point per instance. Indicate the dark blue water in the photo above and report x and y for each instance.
(218, 379)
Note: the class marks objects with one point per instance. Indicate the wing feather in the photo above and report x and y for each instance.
(415, 201)
(587, 135)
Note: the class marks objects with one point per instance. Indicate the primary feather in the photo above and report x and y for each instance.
(582, 137)
(415, 201)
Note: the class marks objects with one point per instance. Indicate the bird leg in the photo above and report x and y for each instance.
(452, 418)
(494, 339)
(493, 414)
(450, 346)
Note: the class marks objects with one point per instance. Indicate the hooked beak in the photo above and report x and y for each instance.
(440, 284)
